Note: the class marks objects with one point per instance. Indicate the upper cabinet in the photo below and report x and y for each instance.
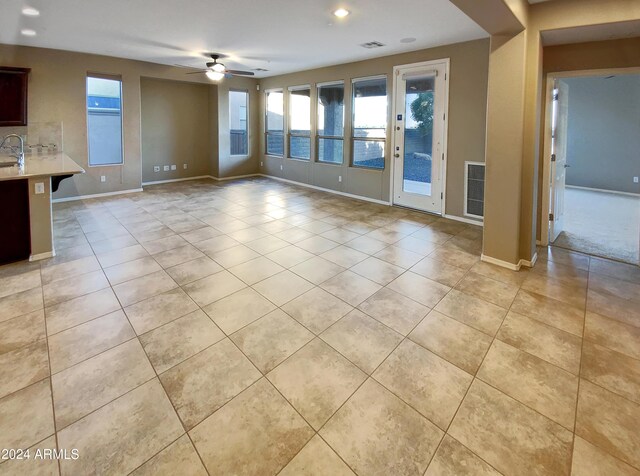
(13, 96)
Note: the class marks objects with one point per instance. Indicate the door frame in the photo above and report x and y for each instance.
(546, 135)
(445, 128)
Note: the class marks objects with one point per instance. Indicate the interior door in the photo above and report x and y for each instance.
(419, 136)
(558, 158)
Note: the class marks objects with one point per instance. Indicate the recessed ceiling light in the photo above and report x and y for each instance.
(26, 32)
(30, 12)
(341, 12)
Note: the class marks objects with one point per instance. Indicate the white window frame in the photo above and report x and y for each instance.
(323, 136)
(112, 77)
(353, 129)
(248, 154)
(266, 122)
(289, 134)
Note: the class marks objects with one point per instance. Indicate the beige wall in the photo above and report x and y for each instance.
(467, 116)
(175, 128)
(57, 93)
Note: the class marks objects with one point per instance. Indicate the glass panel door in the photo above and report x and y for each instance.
(419, 136)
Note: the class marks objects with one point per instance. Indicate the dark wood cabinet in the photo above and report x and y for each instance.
(13, 96)
(15, 237)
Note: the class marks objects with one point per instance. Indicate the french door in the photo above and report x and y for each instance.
(419, 135)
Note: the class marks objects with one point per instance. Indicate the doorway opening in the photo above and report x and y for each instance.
(419, 135)
(592, 150)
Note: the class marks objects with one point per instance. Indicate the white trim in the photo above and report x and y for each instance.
(499, 262)
(156, 182)
(95, 195)
(302, 87)
(322, 189)
(365, 78)
(467, 163)
(233, 177)
(45, 255)
(603, 190)
(337, 82)
(464, 220)
(529, 263)
(445, 132)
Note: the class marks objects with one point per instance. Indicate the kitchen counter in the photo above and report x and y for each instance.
(28, 218)
(35, 166)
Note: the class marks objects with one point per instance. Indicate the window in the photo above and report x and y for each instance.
(300, 122)
(238, 104)
(330, 122)
(369, 122)
(274, 125)
(104, 120)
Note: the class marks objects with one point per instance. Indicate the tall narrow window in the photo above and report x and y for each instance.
(369, 122)
(104, 120)
(300, 122)
(238, 116)
(330, 122)
(274, 124)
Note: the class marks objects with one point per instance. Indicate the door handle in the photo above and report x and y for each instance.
(396, 155)
(566, 166)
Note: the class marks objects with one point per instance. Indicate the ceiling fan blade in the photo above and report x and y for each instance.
(197, 72)
(240, 73)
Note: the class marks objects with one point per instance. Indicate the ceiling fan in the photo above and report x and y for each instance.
(216, 71)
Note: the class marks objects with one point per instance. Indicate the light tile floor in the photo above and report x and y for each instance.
(253, 327)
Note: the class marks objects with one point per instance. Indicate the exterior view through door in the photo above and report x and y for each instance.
(419, 146)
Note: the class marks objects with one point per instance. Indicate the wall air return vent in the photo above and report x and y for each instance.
(474, 189)
(372, 44)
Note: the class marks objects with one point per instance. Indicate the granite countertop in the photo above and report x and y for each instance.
(40, 166)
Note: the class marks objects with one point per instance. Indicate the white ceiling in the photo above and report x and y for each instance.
(278, 35)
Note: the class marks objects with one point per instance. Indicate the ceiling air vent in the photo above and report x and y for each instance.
(260, 69)
(372, 44)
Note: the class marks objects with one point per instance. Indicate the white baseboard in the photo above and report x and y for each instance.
(39, 256)
(464, 220)
(529, 263)
(603, 190)
(221, 179)
(499, 262)
(322, 189)
(157, 182)
(95, 195)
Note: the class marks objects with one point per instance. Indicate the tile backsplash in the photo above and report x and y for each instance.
(40, 137)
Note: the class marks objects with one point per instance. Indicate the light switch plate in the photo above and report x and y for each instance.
(173, 167)
(635, 179)
(184, 166)
(103, 178)
(165, 168)
(39, 187)
(156, 168)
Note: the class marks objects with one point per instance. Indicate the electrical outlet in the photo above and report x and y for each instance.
(165, 168)
(339, 178)
(281, 167)
(156, 168)
(173, 167)
(39, 188)
(184, 166)
(635, 179)
(103, 178)
(261, 164)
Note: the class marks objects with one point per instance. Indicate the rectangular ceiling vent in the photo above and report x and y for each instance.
(372, 44)
(260, 69)
(474, 189)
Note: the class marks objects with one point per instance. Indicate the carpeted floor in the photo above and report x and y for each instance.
(602, 224)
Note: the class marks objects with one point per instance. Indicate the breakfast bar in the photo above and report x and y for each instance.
(25, 191)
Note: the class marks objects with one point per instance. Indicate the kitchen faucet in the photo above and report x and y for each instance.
(19, 156)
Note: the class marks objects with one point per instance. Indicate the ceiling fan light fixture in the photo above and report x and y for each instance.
(214, 75)
(218, 68)
(341, 12)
